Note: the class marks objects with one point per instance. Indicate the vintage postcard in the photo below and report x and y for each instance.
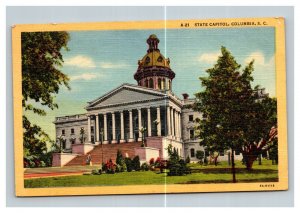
(150, 107)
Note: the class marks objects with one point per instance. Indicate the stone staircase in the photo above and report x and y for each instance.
(109, 152)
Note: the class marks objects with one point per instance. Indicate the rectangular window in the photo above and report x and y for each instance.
(192, 134)
(191, 118)
(92, 129)
(192, 153)
(72, 131)
(222, 153)
(63, 132)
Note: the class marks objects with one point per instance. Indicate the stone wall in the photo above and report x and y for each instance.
(61, 159)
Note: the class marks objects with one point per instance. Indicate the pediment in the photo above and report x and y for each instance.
(125, 94)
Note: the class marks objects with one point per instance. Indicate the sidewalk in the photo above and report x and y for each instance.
(57, 171)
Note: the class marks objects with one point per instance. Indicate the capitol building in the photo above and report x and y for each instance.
(130, 116)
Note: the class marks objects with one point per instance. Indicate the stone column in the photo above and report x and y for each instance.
(105, 128)
(175, 123)
(89, 129)
(97, 129)
(149, 122)
(179, 125)
(131, 139)
(113, 117)
(122, 140)
(168, 120)
(172, 122)
(140, 124)
(158, 121)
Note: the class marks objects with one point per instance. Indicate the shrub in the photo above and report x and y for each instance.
(157, 162)
(188, 160)
(176, 166)
(145, 167)
(121, 167)
(151, 162)
(42, 164)
(96, 172)
(200, 156)
(136, 163)
(119, 157)
(128, 163)
(109, 167)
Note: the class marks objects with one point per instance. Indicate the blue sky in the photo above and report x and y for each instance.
(99, 61)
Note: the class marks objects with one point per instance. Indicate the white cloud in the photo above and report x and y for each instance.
(80, 61)
(264, 71)
(84, 76)
(209, 57)
(260, 62)
(258, 57)
(109, 65)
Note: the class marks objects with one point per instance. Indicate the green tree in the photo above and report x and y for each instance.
(230, 107)
(200, 155)
(176, 166)
(119, 157)
(41, 80)
(262, 130)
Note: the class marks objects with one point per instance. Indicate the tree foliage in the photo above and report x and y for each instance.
(235, 115)
(41, 80)
(176, 166)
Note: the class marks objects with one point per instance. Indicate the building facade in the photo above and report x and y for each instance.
(148, 111)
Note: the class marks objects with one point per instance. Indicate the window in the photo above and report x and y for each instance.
(159, 83)
(92, 129)
(163, 86)
(191, 134)
(151, 83)
(159, 59)
(191, 118)
(147, 60)
(72, 131)
(222, 153)
(63, 132)
(192, 153)
(146, 83)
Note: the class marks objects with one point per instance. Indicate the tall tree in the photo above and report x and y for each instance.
(229, 106)
(41, 80)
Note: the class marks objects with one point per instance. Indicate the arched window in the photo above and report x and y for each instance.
(160, 59)
(163, 84)
(147, 60)
(159, 84)
(151, 83)
(146, 83)
(192, 153)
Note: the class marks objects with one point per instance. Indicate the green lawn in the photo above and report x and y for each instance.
(200, 174)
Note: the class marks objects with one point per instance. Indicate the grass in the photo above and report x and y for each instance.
(200, 174)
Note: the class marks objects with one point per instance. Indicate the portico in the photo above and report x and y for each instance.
(125, 125)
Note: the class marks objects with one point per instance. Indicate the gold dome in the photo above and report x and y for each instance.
(154, 58)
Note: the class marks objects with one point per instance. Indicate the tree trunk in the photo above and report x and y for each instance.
(233, 167)
(259, 159)
(249, 162)
(216, 160)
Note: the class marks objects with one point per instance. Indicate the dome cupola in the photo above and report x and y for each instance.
(154, 69)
